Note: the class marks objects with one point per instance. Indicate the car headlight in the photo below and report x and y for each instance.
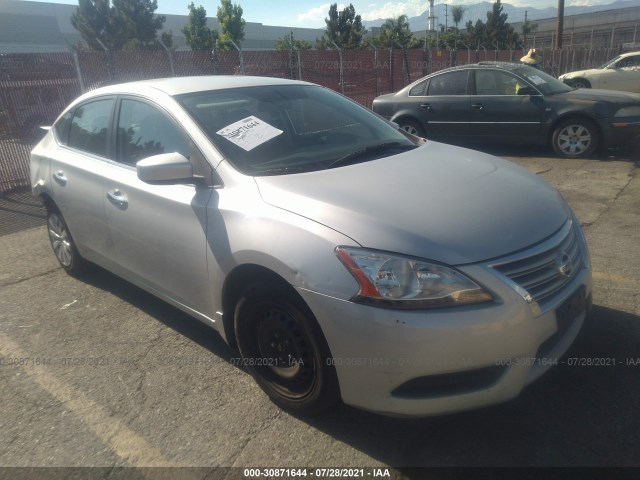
(628, 112)
(393, 281)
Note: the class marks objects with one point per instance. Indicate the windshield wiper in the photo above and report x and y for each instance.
(363, 152)
(280, 171)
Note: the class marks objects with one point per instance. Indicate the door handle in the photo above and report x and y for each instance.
(427, 106)
(117, 197)
(60, 178)
(478, 106)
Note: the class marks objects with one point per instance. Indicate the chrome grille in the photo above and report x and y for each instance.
(545, 274)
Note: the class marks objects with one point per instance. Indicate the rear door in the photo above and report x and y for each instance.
(159, 231)
(77, 166)
(445, 109)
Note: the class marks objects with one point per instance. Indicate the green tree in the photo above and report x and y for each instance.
(495, 32)
(457, 12)
(231, 25)
(197, 34)
(499, 32)
(396, 32)
(284, 43)
(118, 24)
(344, 28)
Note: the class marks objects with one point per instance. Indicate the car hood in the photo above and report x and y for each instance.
(437, 202)
(582, 73)
(598, 95)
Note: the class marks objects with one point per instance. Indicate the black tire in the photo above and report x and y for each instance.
(284, 349)
(412, 127)
(575, 138)
(580, 83)
(63, 245)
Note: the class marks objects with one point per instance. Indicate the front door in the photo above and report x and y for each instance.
(159, 230)
(499, 114)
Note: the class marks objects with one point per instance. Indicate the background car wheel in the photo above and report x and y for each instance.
(577, 138)
(63, 245)
(580, 83)
(412, 127)
(284, 349)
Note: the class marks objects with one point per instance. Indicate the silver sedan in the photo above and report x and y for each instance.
(344, 258)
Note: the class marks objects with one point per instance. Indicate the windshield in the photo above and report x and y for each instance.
(610, 62)
(547, 84)
(282, 129)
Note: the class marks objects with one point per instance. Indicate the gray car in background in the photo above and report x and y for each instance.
(345, 258)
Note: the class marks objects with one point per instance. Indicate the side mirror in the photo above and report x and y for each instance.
(166, 167)
(526, 91)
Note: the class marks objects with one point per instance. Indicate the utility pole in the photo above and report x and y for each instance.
(524, 29)
(559, 30)
(446, 17)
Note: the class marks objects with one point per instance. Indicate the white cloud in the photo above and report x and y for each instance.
(317, 14)
(583, 3)
(410, 8)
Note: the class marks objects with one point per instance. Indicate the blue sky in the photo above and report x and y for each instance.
(311, 13)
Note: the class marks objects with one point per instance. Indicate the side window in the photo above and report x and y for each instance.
(144, 130)
(89, 127)
(629, 62)
(61, 128)
(452, 83)
(418, 90)
(493, 82)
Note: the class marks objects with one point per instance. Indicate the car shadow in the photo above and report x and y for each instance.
(584, 412)
(172, 317)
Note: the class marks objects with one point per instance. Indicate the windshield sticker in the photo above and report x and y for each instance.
(249, 133)
(536, 79)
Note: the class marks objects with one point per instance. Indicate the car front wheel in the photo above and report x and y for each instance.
(284, 350)
(576, 138)
(63, 245)
(580, 83)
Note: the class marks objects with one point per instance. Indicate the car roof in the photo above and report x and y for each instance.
(629, 54)
(179, 85)
(486, 64)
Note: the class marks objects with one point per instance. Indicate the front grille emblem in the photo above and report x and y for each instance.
(564, 264)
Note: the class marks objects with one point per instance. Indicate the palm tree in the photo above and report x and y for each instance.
(457, 13)
(396, 31)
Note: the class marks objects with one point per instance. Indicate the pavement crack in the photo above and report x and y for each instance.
(38, 275)
(612, 202)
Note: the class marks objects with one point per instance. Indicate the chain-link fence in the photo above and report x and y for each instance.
(34, 88)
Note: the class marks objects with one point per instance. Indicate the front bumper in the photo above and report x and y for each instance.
(620, 132)
(430, 362)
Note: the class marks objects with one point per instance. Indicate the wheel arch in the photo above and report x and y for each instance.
(235, 283)
(573, 116)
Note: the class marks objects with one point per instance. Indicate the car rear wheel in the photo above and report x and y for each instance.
(575, 138)
(412, 127)
(63, 245)
(284, 350)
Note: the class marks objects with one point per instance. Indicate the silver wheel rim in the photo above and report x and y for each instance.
(60, 240)
(574, 139)
(410, 129)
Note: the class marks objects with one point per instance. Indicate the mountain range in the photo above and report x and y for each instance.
(516, 14)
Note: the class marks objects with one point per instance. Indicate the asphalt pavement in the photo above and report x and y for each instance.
(95, 372)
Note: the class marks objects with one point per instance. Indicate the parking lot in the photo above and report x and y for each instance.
(96, 372)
